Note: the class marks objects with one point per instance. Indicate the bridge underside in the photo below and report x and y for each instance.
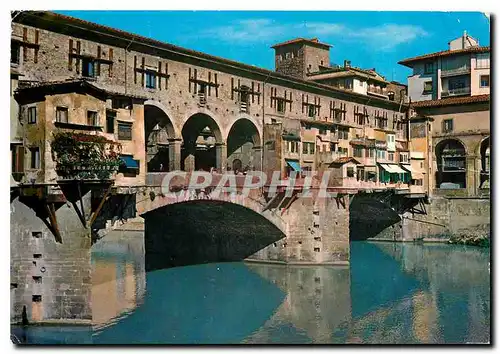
(204, 231)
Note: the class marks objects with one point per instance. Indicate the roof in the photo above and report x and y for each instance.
(452, 101)
(75, 26)
(346, 72)
(71, 83)
(313, 41)
(343, 160)
(444, 53)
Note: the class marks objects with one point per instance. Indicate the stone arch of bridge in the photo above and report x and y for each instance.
(244, 144)
(194, 231)
(203, 146)
(159, 134)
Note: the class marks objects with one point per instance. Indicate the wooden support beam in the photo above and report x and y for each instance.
(270, 202)
(80, 197)
(51, 212)
(101, 204)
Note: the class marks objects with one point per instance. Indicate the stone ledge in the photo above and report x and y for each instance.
(337, 263)
(57, 322)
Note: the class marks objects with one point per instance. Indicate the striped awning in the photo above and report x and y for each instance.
(130, 162)
(294, 165)
(407, 168)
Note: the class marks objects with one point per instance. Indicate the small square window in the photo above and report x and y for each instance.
(485, 80)
(32, 115)
(311, 111)
(447, 125)
(92, 118)
(280, 107)
(429, 68)
(124, 131)
(88, 68)
(428, 87)
(150, 80)
(61, 115)
(350, 171)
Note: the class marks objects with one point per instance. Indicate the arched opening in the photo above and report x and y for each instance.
(243, 145)
(158, 131)
(200, 135)
(485, 162)
(451, 165)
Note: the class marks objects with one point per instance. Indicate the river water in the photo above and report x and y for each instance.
(391, 293)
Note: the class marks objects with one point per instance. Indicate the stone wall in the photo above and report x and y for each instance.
(51, 279)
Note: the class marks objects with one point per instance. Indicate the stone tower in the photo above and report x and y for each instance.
(301, 56)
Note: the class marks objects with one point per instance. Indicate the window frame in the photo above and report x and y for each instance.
(426, 67)
(280, 105)
(95, 118)
(481, 81)
(35, 162)
(60, 109)
(427, 91)
(150, 77)
(15, 44)
(32, 115)
(120, 133)
(86, 63)
(447, 122)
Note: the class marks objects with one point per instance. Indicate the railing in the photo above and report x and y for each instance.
(456, 92)
(244, 107)
(457, 71)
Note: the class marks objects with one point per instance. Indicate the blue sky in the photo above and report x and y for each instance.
(369, 39)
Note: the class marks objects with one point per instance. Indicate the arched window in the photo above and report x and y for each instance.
(451, 165)
(485, 161)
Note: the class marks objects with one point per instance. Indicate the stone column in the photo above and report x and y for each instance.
(220, 157)
(257, 157)
(470, 175)
(189, 159)
(174, 152)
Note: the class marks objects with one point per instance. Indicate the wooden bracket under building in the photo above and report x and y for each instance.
(51, 212)
(96, 212)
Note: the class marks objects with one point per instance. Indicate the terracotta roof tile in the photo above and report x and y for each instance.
(300, 39)
(343, 160)
(451, 101)
(444, 53)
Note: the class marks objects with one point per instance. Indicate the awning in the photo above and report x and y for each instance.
(407, 168)
(397, 169)
(294, 164)
(130, 162)
(387, 168)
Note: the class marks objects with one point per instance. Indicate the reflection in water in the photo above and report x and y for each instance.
(391, 293)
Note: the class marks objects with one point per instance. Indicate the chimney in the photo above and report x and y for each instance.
(347, 64)
(464, 40)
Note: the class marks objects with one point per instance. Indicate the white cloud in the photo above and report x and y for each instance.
(384, 37)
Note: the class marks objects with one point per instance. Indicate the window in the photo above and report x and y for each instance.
(308, 148)
(485, 81)
(428, 87)
(280, 107)
(121, 103)
(358, 151)
(483, 61)
(311, 111)
(381, 154)
(343, 134)
(88, 68)
(32, 115)
(288, 55)
(370, 153)
(390, 156)
(110, 122)
(150, 80)
(92, 118)
(350, 171)
(124, 131)
(403, 157)
(428, 68)
(15, 52)
(447, 125)
(292, 146)
(322, 131)
(417, 182)
(35, 157)
(62, 115)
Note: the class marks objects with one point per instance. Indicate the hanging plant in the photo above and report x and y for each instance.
(84, 156)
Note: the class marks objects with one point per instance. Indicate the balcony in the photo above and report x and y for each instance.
(377, 92)
(455, 72)
(456, 92)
